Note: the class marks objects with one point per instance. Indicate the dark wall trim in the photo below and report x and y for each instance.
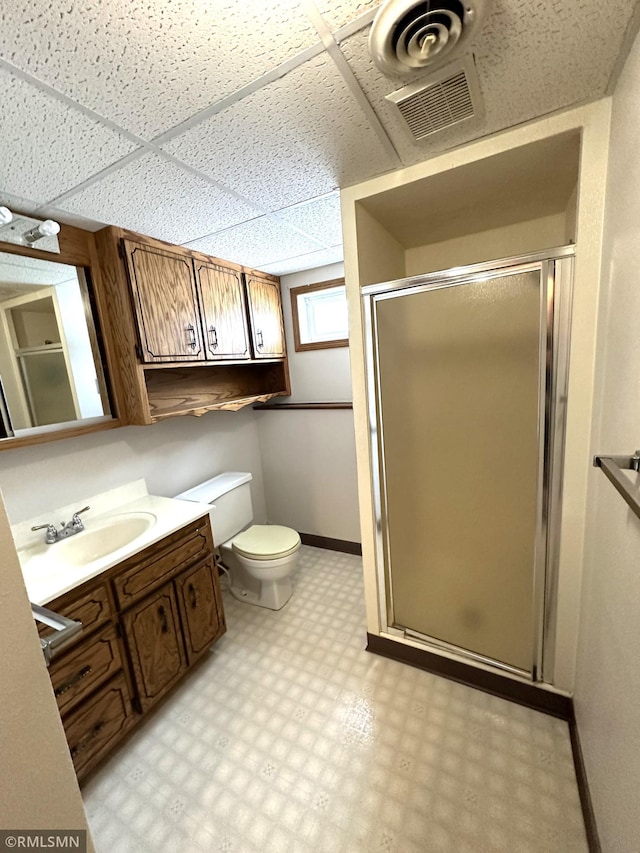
(588, 813)
(331, 544)
(490, 682)
(289, 407)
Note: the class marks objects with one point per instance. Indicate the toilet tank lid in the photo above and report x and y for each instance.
(212, 489)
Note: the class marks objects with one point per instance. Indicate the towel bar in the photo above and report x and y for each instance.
(612, 466)
(64, 629)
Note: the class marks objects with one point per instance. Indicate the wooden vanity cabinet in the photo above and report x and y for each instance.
(145, 622)
(200, 608)
(154, 641)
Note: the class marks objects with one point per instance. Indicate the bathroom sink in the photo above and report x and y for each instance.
(98, 540)
(103, 537)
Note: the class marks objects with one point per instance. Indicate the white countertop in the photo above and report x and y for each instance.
(48, 570)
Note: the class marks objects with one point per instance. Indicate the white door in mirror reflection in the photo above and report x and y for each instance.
(42, 355)
(49, 370)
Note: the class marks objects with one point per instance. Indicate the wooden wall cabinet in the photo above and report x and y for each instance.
(186, 309)
(193, 333)
(145, 622)
(166, 304)
(265, 309)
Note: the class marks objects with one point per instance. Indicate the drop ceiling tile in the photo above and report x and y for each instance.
(154, 196)
(149, 66)
(255, 243)
(296, 138)
(531, 59)
(319, 217)
(47, 147)
(337, 13)
(310, 261)
(538, 57)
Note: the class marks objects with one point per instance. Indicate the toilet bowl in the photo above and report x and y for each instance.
(259, 557)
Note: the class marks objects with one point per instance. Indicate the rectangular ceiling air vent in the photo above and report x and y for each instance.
(446, 98)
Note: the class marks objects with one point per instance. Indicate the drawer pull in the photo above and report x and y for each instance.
(164, 624)
(84, 741)
(193, 596)
(259, 339)
(213, 337)
(84, 672)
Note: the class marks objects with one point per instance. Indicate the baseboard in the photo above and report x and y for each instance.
(331, 544)
(583, 789)
(490, 682)
(506, 688)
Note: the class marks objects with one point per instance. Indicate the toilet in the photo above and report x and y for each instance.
(259, 557)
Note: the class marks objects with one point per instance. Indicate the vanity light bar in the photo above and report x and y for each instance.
(26, 231)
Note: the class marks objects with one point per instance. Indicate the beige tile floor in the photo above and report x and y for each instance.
(290, 738)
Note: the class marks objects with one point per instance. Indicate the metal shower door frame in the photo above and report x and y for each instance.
(556, 270)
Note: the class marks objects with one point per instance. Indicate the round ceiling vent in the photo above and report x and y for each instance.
(408, 35)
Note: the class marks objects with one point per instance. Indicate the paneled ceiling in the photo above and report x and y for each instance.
(230, 126)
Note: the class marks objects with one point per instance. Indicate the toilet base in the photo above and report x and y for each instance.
(272, 594)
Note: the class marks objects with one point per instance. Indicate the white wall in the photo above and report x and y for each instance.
(39, 787)
(171, 456)
(317, 376)
(308, 457)
(607, 695)
(533, 235)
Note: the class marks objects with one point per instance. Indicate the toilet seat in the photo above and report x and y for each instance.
(266, 542)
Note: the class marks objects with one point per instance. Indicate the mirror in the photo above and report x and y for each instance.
(51, 374)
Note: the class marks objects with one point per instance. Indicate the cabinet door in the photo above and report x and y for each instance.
(200, 608)
(96, 726)
(265, 310)
(166, 303)
(224, 313)
(153, 636)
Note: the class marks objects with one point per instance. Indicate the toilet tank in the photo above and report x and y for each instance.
(230, 497)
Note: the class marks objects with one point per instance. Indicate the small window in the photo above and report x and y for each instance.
(319, 314)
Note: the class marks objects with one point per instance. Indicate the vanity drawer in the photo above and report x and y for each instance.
(155, 565)
(94, 728)
(79, 671)
(92, 608)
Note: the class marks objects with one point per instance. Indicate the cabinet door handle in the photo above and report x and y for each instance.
(191, 336)
(193, 596)
(213, 337)
(164, 623)
(84, 672)
(259, 338)
(84, 741)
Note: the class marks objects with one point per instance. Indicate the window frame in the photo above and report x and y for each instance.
(303, 290)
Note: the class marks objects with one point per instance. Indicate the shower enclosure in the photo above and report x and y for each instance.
(467, 376)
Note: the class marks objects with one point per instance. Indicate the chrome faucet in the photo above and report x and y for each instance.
(69, 529)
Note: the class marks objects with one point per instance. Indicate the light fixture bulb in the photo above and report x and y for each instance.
(48, 228)
(5, 216)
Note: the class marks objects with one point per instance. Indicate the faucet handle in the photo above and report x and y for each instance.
(76, 521)
(51, 535)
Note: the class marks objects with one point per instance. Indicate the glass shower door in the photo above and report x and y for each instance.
(460, 386)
